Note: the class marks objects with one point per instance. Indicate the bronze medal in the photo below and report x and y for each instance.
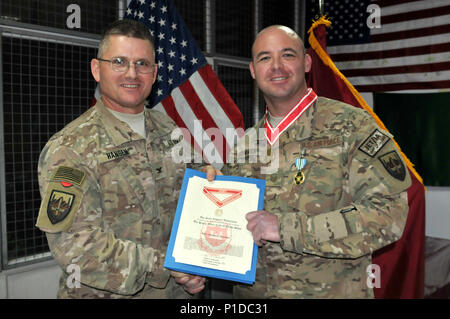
(299, 178)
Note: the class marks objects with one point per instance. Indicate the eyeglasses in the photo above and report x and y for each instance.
(121, 64)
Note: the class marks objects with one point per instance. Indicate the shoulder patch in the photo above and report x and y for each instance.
(59, 205)
(374, 143)
(394, 165)
(69, 174)
(58, 208)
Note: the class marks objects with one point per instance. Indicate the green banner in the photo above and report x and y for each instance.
(420, 124)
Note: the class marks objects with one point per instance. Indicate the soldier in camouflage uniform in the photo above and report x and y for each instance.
(339, 192)
(109, 194)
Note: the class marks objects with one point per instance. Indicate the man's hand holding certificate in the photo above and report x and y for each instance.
(209, 234)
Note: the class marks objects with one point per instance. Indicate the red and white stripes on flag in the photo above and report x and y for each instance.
(186, 88)
(201, 105)
(410, 50)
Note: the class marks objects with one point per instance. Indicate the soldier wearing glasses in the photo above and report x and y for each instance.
(109, 185)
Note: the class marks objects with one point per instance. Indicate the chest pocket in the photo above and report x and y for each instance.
(118, 172)
(168, 176)
(124, 197)
(324, 178)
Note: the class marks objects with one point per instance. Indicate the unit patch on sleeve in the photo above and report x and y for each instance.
(59, 206)
(394, 165)
(374, 143)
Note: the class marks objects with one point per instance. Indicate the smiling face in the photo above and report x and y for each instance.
(124, 91)
(278, 66)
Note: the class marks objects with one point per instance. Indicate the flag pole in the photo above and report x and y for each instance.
(321, 7)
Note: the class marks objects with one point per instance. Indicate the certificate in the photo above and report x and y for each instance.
(209, 234)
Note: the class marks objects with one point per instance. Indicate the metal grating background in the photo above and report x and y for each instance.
(193, 14)
(234, 27)
(277, 12)
(46, 85)
(95, 15)
(239, 85)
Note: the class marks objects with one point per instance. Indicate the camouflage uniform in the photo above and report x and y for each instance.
(109, 197)
(351, 203)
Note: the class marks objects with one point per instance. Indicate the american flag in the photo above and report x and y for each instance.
(409, 49)
(187, 89)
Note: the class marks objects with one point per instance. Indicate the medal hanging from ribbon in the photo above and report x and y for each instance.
(300, 163)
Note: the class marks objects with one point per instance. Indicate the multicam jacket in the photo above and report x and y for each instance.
(109, 197)
(351, 202)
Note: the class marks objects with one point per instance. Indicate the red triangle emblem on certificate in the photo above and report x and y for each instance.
(211, 193)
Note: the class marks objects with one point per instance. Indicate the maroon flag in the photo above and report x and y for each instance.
(402, 264)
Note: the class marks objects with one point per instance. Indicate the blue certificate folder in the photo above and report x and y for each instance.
(170, 263)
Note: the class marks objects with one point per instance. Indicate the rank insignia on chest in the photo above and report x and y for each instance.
(59, 206)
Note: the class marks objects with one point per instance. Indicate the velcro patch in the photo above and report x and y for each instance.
(158, 170)
(329, 226)
(374, 143)
(172, 142)
(59, 206)
(324, 142)
(69, 174)
(116, 154)
(394, 165)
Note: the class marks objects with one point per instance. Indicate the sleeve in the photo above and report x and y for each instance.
(71, 216)
(377, 182)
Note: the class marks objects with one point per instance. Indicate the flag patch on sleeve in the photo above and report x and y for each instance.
(69, 174)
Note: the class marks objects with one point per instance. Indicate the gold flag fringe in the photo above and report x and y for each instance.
(327, 61)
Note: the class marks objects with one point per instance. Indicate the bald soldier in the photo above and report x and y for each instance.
(339, 192)
(109, 185)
